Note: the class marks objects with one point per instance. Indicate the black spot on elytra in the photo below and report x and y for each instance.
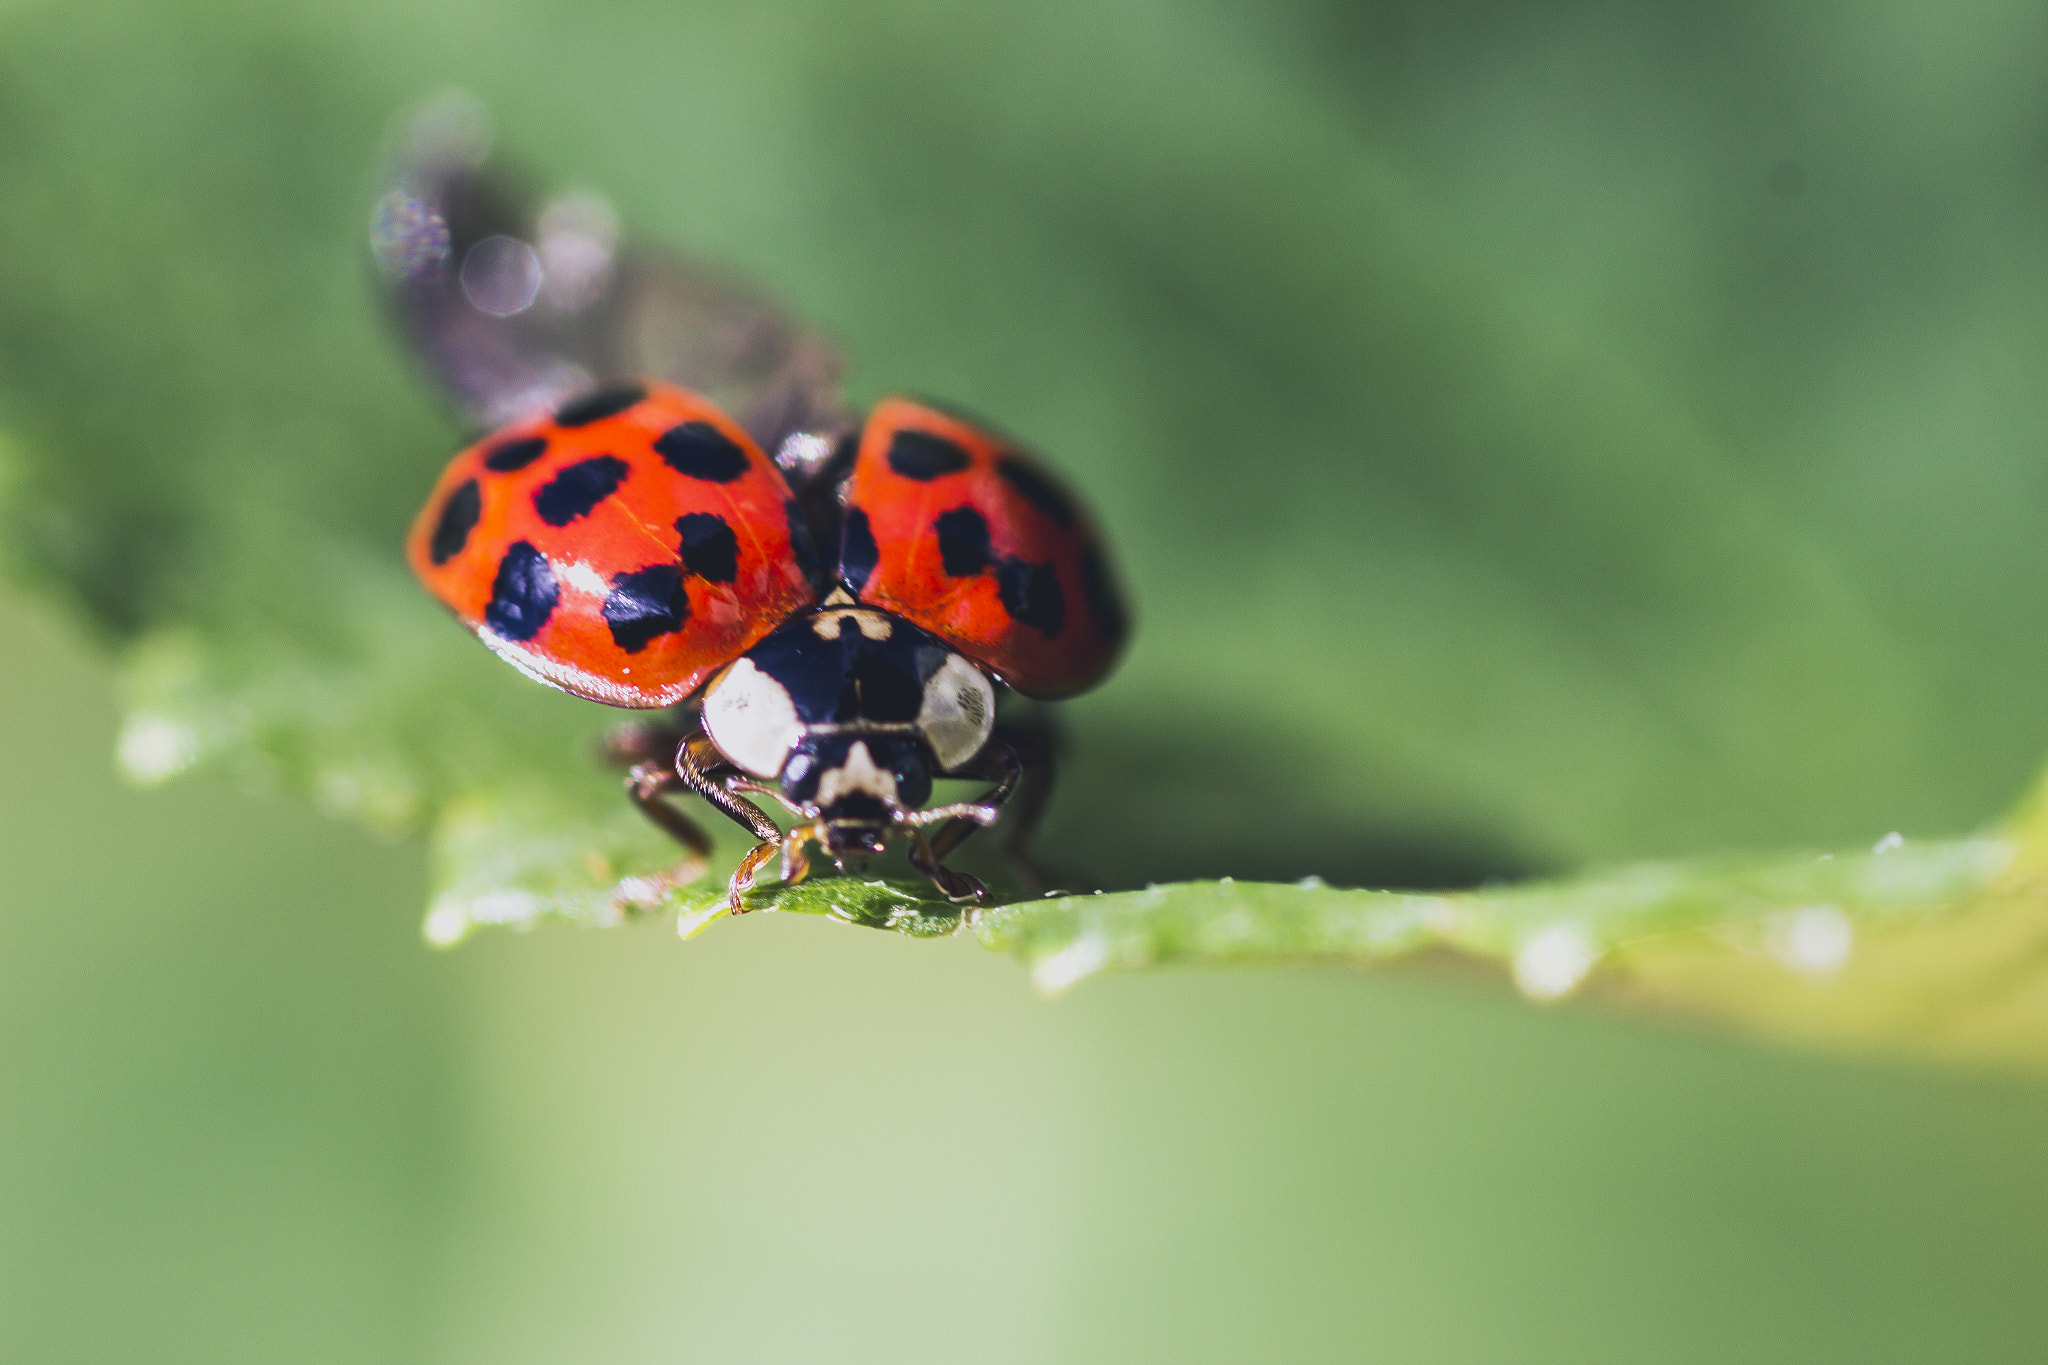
(645, 603)
(458, 518)
(1036, 489)
(576, 488)
(702, 451)
(922, 456)
(801, 546)
(598, 405)
(710, 549)
(1104, 602)
(1030, 592)
(1032, 596)
(524, 594)
(857, 552)
(511, 455)
(963, 542)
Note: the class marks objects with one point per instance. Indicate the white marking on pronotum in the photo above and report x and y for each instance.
(1553, 962)
(857, 774)
(751, 719)
(872, 624)
(1816, 939)
(959, 711)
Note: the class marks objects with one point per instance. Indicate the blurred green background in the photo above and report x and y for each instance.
(1534, 437)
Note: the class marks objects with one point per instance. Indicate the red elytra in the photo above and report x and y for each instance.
(623, 550)
(637, 541)
(959, 532)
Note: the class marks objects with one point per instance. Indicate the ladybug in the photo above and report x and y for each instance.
(829, 610)
(637, 548)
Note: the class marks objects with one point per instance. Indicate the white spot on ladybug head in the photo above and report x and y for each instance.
(958, 713)
(858, 775)
(751, 719)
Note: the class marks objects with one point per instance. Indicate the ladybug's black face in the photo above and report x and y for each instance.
(805, 700)
(858, 783)
(852, 710)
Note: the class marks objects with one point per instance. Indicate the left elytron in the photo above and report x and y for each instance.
(832, 624)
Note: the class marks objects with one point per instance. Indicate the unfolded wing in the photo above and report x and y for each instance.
(517, 302)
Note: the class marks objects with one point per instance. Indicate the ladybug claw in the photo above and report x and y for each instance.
(748, 872)
(965, 890)
(956, 887)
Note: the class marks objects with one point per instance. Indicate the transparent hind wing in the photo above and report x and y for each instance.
(516, 302)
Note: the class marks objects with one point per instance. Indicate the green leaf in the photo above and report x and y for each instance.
(1929, 949)
(1511, 479)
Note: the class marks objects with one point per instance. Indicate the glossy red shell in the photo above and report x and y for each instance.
(961, 533)
(623, 557)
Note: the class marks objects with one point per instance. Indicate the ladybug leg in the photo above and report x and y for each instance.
(646, 784)
(649, 740)
(1019, 760)
(795, 864)
(957, 887)
(697, 758)
(1034, 747)
(997, 763)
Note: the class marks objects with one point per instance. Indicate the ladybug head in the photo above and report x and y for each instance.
(858, 783)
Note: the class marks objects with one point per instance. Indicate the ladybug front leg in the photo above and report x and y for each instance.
(697, 759)
(648, 739)
(1019, 760)
(957, 887)
(1034, 742)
